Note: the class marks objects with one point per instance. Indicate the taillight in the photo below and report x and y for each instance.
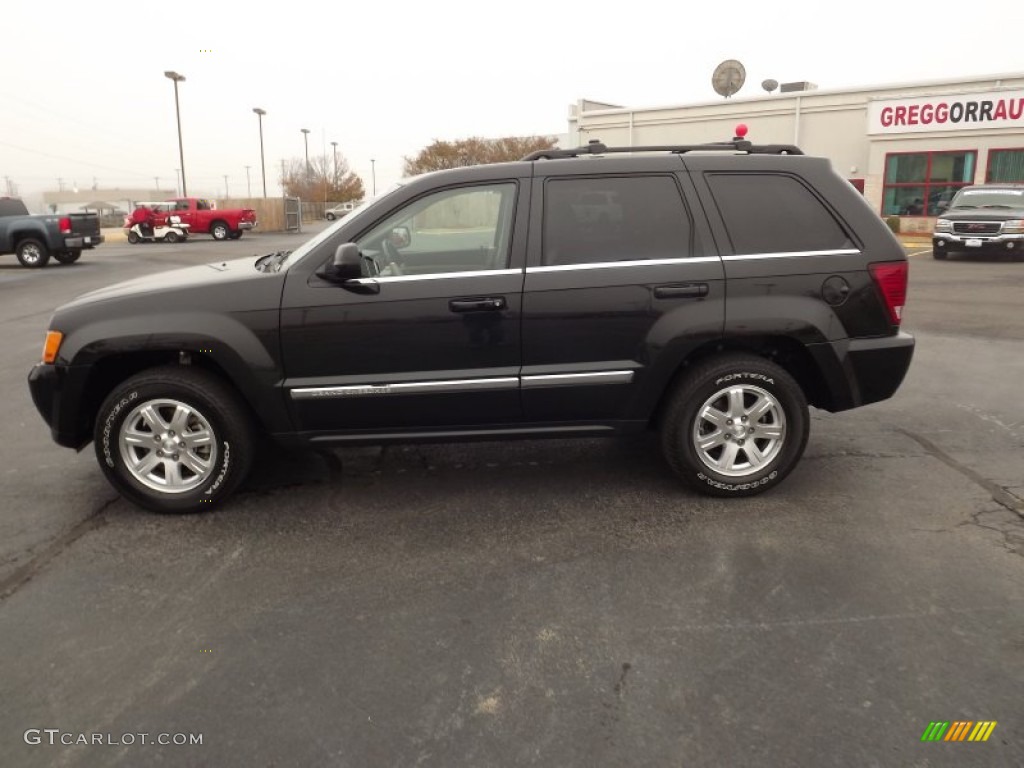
(891, 279)
(65, 225)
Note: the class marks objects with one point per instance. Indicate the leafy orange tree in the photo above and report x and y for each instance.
(323, 180)
(474, 151)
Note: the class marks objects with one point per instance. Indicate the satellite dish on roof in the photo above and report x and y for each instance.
(769, 84)
(728, 77)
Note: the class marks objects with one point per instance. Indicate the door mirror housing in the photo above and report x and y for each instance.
(346, 264)
(400, 237)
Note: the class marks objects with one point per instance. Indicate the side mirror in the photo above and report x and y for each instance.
(400, 237)
(347, 267)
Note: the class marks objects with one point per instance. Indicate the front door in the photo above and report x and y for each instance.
(430, 337)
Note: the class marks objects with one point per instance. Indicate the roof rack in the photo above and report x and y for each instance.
(738, 144)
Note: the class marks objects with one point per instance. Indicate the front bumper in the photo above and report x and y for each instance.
(862, 371)
(952, 241)
(54, 386)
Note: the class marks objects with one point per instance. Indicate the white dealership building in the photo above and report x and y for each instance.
(908, 147)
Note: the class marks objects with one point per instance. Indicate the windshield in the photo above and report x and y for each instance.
(989, 198)
(312, 243)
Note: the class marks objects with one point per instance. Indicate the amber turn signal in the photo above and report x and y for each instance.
(52, 344)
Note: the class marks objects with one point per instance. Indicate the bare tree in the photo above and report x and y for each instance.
(474, 151)
(323, 181)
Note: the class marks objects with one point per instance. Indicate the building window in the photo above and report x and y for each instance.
(923, 183)
(1005, 165)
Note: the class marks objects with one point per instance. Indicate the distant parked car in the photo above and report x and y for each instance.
(342, 209)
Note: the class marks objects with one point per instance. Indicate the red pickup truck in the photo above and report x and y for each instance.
(203, 216)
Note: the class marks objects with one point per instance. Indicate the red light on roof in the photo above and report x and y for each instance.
(741, 130)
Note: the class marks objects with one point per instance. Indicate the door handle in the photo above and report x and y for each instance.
(488, 304)
(687, 291)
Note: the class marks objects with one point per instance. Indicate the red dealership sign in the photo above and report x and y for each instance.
(956, 112)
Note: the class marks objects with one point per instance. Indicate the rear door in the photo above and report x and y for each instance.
(622, 282)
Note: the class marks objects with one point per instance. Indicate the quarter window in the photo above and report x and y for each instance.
(773, 213)
(455, 230)
(923, 183)
(1005, 165)
(614, 218)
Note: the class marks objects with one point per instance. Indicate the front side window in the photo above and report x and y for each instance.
(775, 213)
(923, 183)
(454, 230)
(1005, 165)
(614, 218)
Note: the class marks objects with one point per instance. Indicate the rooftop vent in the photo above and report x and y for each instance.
(801, 85)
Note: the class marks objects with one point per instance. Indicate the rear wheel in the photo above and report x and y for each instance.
(219, 230)
(68, 257)
(174, 439)
(235, 235)
(133, 237)
(32, 253)
(735, 426)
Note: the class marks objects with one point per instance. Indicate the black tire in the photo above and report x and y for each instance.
(68, 257)
(330, 216)
(219, 230)
(755, 379)
(212, 405)
(171, 237)
(236, 235)
(133, 237)
(939, 254)
(32, 253)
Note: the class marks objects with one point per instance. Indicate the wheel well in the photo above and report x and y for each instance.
(108, 372)
(785, 352)
(26, 234)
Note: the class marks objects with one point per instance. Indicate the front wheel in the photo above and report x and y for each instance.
(735, 426)
(133, 237)
(174, 439)
(32, 253)
(68, 257)
(219, 230)
(171, 237)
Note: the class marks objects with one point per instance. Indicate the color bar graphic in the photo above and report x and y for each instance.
(958, 730)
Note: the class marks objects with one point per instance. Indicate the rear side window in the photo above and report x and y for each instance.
(773, 213)
(614, 218)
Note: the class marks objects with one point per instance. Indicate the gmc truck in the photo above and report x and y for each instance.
(202, 216)
(34, 239)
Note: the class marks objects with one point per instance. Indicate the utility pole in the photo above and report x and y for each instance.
(156, 180)
(284, 192)
(248, 186)
(10, 190)
(226, 195)
(60, 184)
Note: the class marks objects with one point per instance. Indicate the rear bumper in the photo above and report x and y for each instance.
(82, 241)
(247, 225)
(862, 371)
(51, 386)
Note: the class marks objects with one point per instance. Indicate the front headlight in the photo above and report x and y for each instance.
(1014, 226)
(943, 225)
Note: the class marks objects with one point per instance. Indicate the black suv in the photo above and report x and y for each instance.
(710, 292)
(986, 219)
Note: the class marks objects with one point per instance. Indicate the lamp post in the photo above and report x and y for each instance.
(335, 145)
(177, 111)
(177, 180)
(263, 165)
(248, 186)
(305, 137)
(373, 174)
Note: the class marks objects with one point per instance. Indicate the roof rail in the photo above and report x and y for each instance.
(738, 144)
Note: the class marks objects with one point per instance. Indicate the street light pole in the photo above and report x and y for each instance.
(373, 173)
(226, 193)
(263, 164)
(177, 180)
(305, 137)
(248, 186)
(177, 111)
(335, 145)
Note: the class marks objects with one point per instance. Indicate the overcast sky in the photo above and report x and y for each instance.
(83, 94)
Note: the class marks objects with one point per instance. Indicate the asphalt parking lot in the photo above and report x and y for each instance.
(537, 603)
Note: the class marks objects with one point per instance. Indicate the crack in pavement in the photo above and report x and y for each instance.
(1000, 495)
(21, 576)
